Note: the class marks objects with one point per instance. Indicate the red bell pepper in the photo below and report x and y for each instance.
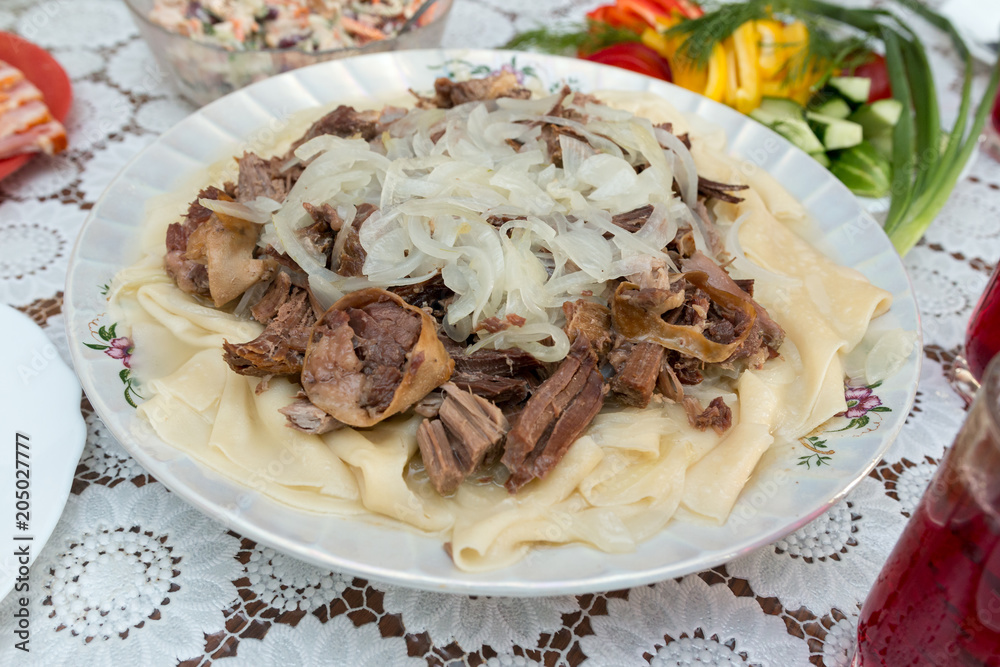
(618, 17)
(637, 15)
(635, 57)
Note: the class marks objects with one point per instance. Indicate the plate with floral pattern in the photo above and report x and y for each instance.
(787, 490)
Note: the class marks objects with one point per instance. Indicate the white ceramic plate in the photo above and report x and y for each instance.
(783, 495)
(43, 435)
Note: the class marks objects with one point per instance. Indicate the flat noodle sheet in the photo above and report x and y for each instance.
(624, 480)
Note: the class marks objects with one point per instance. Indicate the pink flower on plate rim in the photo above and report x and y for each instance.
(860, 401)
(120, 348)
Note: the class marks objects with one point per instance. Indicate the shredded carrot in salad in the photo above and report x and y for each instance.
(307, 25)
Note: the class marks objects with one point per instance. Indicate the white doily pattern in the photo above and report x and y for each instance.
(932, 424)
(103, 457)
(287, 584)
(946, 292)
(131, 575)
(337, 643)
(42, 177)
(709, 624)
(93, 23)
(148, 580)
(833, 561)
(476, 621)
(37, 237)
(99, 111)
(134, 69)
(838, 647)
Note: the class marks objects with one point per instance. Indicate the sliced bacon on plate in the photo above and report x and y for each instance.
(26, 124)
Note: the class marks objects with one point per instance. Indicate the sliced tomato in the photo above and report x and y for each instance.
(875, 70)
(635, 57)
(618, 17)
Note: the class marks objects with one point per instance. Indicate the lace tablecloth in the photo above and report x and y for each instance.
(133, 575)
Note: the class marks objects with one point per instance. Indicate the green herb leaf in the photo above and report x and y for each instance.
(584, 39)
(703, 33)
(94, 346)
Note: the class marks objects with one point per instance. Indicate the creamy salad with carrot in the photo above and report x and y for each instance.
(308, 25)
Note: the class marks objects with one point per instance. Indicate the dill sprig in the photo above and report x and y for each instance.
(823, 49)
(703, 33)
(825, 54)
(582, 39)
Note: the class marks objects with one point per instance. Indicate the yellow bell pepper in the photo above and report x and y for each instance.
(710, 80)
(747, 94)
(718, 74)
(732, 72)
(771, 35)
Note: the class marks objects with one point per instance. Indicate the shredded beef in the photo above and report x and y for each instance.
(303, 416)
(492, 387)
(318, 237)
(429, 405)
(510, 362)
(492, 325)
(455, 444)
(255, 180)
(765, 333)
(431, 295)
(720, 191)
(590, 319)
(352, 257)
(555, 416)
(325, 214)
(281, 347)
(687, 369)
(632, 221)
(448, 93)
(550, 135)
(274, 298)
(191, 276)
(383, 334)
(344, 121)
(718, 416)
(746, 285)
(637, 369)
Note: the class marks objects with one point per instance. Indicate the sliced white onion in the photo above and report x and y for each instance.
(469, 193)
(235, 210)
(686, 172)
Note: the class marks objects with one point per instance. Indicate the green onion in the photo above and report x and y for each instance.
(925, 169)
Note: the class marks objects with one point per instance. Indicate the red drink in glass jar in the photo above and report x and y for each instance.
(982, 338)
(937, 600)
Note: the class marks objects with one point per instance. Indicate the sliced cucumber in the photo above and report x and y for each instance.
(834, 133)
(822, 158)
(796, 130)
(834, 107)
(877, 117)
(864, 170)
(854, 89)
(782, 107)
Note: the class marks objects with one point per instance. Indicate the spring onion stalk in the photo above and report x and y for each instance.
(924, 175)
